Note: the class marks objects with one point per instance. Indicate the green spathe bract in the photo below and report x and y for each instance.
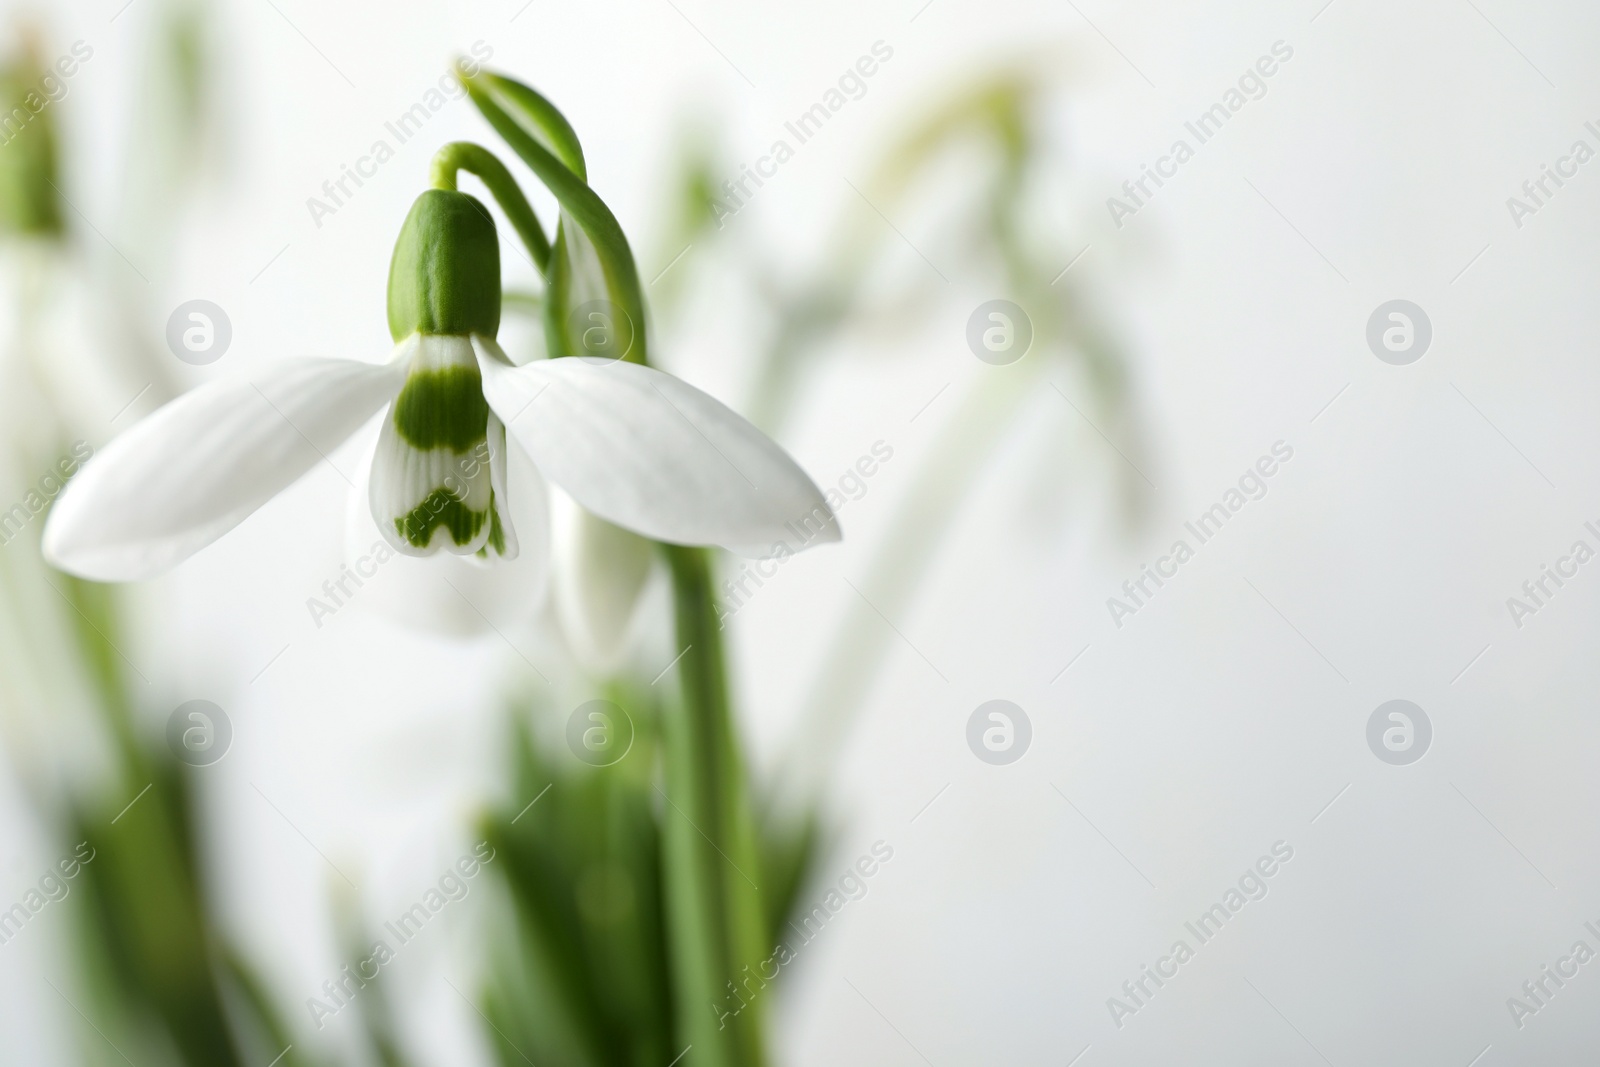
(445, 275)
(546, 143)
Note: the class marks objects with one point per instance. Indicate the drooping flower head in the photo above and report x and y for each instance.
(436, 473)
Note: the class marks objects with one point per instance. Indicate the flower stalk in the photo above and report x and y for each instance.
(714, 912)
(475, 159)
(711, 864)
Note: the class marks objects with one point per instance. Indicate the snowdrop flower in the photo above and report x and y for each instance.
(636, 447)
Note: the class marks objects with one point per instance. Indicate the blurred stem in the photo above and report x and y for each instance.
(946, 476)
(713, 907)
(530, 304)
(802, 327)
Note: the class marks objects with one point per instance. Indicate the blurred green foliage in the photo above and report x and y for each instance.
(162, 979)
(582, 977)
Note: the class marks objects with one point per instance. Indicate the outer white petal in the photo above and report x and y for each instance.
(600, 570)
(195, 468)
(650, 453)
(455, 595)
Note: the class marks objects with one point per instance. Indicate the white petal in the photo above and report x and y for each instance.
(600, 571)
(457, 595)
(645, 451)
(197, 467)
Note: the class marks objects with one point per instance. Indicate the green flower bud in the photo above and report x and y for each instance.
(445, 275)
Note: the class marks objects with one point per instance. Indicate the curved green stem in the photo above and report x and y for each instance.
(475, 159)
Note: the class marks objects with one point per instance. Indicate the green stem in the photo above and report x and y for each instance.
(475, 159)
(713, 903)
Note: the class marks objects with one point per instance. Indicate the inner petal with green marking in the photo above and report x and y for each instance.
(432, 486)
